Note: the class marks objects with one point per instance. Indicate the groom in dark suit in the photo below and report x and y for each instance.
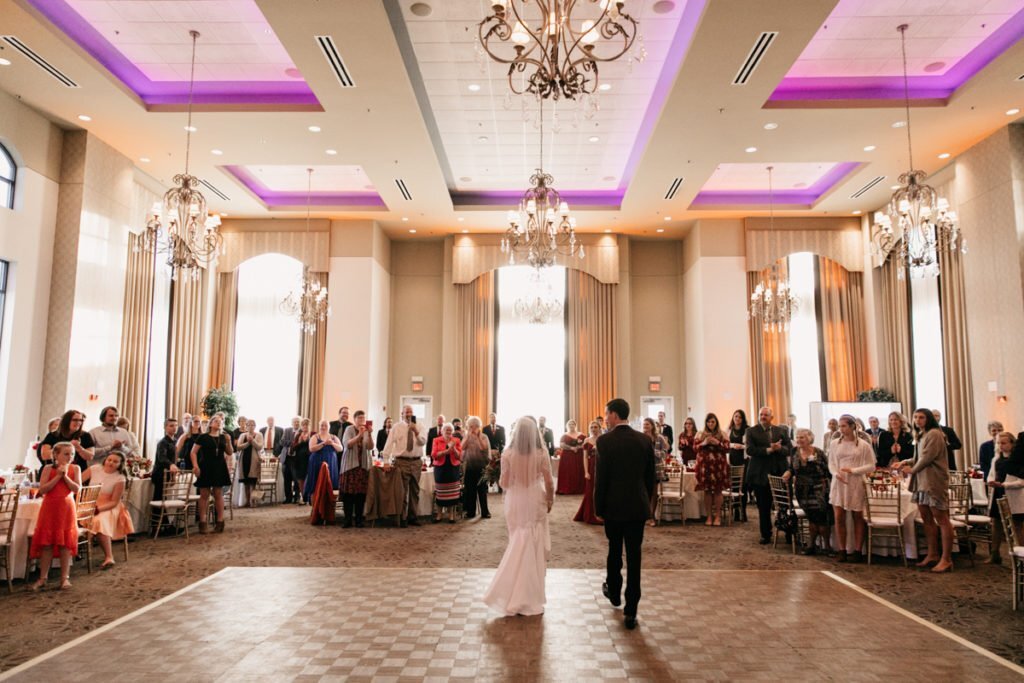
(622, 495)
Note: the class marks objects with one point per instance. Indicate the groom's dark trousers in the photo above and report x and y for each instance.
(632, 535)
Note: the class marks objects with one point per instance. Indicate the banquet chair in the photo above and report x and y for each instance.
(14, 479)
(732, 500)
(671, 492)
(782, 503)
(8, 513)
(269, 468)
(959, 516)
(883, 514)
(980, 525)
(958, 477)
(85, 503)
(175, 503)
(1016, 553)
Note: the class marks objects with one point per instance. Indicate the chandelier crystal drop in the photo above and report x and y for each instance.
(918, 224)
(539, 304)
(179, 225)
(772, 302)
(543, 228)
(309, 304)
(556, 52)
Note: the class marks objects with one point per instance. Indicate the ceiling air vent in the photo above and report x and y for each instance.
(211, 188)
(754, 58)
(673, 188)
(39, 61)
(870, 184)
(403, 189)
(337, 64)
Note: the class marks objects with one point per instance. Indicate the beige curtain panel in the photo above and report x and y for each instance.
(474, 346)
(769, 361)
(133, 373)
(956, 355)
(311, 372)
(591, 342)
(185, 362)
(842, 324)
(225, 312)
(896, 371)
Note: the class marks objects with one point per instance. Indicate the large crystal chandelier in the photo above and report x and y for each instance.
(539, 304)
(557, 53)
(543, 228)
(191, 238)
(309, 304)
(919, 223)
(772, 302)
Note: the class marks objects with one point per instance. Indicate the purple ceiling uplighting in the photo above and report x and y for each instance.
(146, 45)
(796, 185)
(284, 186)
(855, 55)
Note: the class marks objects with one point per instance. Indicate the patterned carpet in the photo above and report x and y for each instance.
(971, 602)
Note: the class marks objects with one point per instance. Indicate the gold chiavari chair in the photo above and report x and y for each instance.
(8, 513)
(85, 503)
(176, 501)
(959, 516)
(782, 504)
(883, 514)
(732, 500)
(1016, 553)
(267, 484)
(671, 492)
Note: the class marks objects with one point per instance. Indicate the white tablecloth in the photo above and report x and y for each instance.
(426, 493)
(139, 498)
(979, 492)
(887, 546)
(238, 494)
(693, 502)
(24, 524)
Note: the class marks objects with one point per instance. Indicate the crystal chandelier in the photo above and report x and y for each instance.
(192, 237)
(557, 59)
(308, 305)
(772, 302)
(539, 305)
(542, 229)
(918, 223)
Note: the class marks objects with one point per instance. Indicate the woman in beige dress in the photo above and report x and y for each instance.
(849, 459)
(929, 480)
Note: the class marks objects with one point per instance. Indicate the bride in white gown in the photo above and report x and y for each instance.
(518, 585)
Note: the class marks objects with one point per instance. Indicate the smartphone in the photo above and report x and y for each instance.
(412, 419)
(369, 425)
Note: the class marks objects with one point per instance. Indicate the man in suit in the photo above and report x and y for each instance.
(987, 450)
(432, 434)
(791, 426)
(665, 429)
(339, 426)
(768, 448)
(546, 435)
(952, 440)
(165, 458)
(874, 431)
(495, 433)
(291, 485)
(622, 497)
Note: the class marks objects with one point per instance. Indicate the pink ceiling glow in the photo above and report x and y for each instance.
(294, 178)
(754, 177)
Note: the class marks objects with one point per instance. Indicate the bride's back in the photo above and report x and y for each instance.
(526, 474)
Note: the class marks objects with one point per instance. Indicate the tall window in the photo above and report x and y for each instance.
(8, 171)
(531, 356)
(805, 346)
(5, 324)
(926, 332)
(268, 343)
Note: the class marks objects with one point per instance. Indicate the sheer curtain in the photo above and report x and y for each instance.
(926, 327)
(842, 324)
(804, 347)
(474, 372)
(268, 342)
(590, 328)
(769, 360)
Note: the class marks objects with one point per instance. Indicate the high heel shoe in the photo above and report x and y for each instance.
(945, 570)
(926, 564)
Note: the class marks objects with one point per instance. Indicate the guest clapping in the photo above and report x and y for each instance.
(895, 444)
(849, 459)
(713, 476)
(250, 443)
(1000, 483)
(210, 457)
(300, 458)
(808, 469)
(111, 521)
(323, 448)
(476, 453)
(355, 469)
(56, 526)
(687, 441)
(447, 458)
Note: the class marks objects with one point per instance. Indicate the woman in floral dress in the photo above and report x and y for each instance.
(712, 446)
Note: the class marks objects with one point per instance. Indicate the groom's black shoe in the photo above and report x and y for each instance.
(616, 601)
(629, 622)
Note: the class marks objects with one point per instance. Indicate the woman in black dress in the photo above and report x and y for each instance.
(896, 443)
(738, 457)
(300, 459)
(808, 470)
(382, 434)
(70, 430)
(210, 457)
(186, 442)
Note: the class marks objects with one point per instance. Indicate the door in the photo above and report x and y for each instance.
(650, 406)
(422, 408)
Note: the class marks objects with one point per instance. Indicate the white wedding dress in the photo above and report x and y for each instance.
(518, 584)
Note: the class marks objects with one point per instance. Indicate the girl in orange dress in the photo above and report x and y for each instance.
(56, 526)
(112, 521)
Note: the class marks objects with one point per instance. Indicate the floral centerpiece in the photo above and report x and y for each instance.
(18, 469)
(492, 473)
(138, 467)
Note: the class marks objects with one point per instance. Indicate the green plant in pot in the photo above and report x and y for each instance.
(876, 395)
(222, 400)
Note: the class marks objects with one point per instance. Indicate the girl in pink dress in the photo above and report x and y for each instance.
(112, 521)
(586, 512)
(56, 525)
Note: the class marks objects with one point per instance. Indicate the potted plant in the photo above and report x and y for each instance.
(222, 400)
(876, 395)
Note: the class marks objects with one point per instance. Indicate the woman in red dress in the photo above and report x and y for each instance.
(687, 441)
(56, 525)
(570, 465)
(712, 446)
(586, 511)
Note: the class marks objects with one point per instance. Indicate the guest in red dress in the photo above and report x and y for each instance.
(586, 512)
(712, 446)
(56, 525)
(687, 441)
(570, 465)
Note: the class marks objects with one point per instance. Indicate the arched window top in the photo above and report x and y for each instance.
(8, 171)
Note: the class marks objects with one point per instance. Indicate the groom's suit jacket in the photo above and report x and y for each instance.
(625, 475)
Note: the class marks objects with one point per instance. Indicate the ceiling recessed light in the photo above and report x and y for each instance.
(934, 66)
(870, 148)
(224, 214)
(474, 87)
(668, 218)
(594, 138)
(5, 62)
(461, 218)
(799, 185)
(604, 87)
(607, 232)
(1012, 112)
(771, 126)
(944, 155)
(465, 179)
(421, 9)
(191, 129)
(216, 152)
(330, 152)
(314, 129)
(660, 230)
(144, 160)
(465, 232)
(857, 212)
(894, 187)
(664, 6)
(481, 138)
(83, 117)
(608, 178)
(405, 218)
(898, 124)
(412, 231)
(750, 150)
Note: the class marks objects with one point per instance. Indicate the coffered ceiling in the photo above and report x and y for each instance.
(395, 130)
